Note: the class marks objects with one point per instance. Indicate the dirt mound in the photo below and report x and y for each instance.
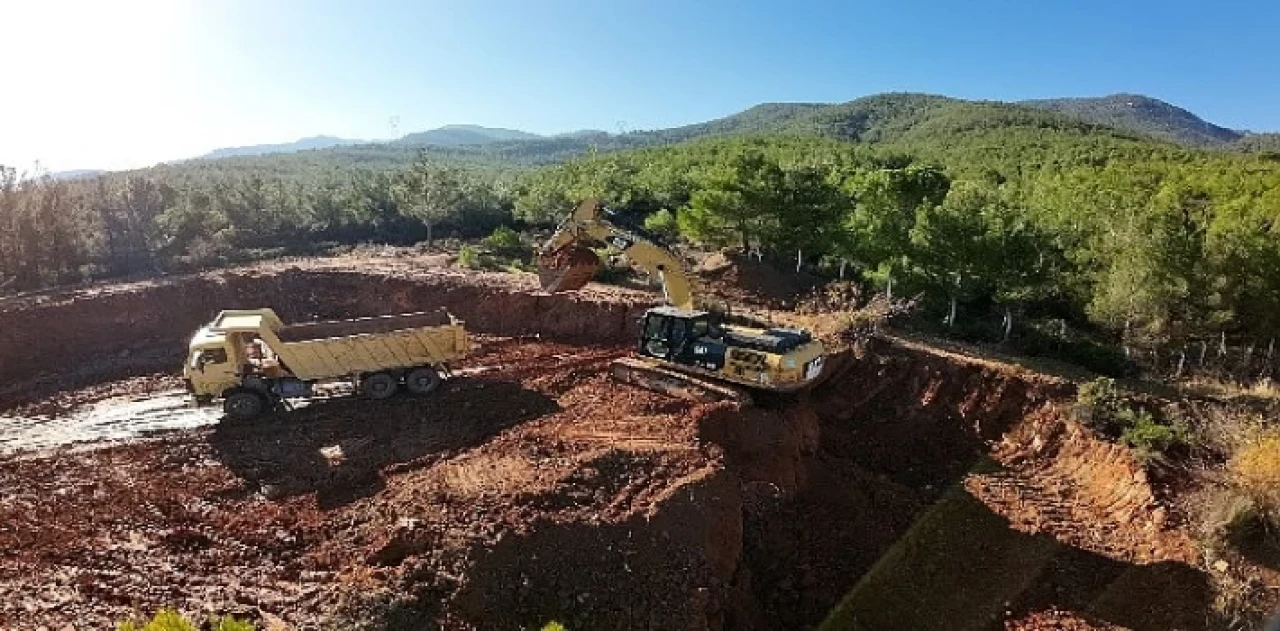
(740, 279)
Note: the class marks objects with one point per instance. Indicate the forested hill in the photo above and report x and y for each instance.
(909, 119)
(460, 135)
(1143, 115)
(305, 144)
(902, 119)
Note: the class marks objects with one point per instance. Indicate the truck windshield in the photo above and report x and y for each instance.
(208, 356)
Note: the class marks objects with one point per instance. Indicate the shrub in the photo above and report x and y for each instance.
(1102, 406)
(468, 257)
(1141, 431)
(1255, 471)
(663, 223)
(171, 620)
(1098, 404)
(506, 242)
(1246, 512)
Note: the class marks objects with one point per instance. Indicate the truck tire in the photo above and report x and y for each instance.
(422, 380)
(379, 386)
(243, 405)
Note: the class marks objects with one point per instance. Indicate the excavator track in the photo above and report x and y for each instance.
(659, 378)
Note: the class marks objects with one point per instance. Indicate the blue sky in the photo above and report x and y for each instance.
(130, 83)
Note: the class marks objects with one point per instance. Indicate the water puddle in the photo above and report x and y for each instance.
(109, 420)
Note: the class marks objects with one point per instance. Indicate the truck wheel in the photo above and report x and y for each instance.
(422, 380)
(378, 386)
(243, 405)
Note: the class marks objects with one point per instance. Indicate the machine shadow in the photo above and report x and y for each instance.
(963, 566)
(341, 449)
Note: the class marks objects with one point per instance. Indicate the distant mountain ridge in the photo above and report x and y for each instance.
(76, 174)
(447, 136)
(462, 135)
(905, 117)
(304, 144)
(1144, 115)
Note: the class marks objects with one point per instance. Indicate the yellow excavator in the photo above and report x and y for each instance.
(682, 351)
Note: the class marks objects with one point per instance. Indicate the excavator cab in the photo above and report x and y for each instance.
(682, 336)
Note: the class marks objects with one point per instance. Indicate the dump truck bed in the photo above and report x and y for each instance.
(325, 350)
(363, 326)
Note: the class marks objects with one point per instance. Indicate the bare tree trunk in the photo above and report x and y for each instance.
(951, 317)
(1269, 369)
(843, 264)
(1008, 323)
(888, 289)
(799, 259)
(1246, 362)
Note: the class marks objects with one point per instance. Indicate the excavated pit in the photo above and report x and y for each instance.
(909, 490)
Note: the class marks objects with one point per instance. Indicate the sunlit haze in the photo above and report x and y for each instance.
(127, 83)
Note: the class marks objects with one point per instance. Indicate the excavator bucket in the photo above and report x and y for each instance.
(569, 268)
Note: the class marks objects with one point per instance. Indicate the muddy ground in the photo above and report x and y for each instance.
(911, 489)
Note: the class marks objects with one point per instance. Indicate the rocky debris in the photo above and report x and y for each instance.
(1056, 620)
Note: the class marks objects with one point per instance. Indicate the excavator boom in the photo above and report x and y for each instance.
(567, 263)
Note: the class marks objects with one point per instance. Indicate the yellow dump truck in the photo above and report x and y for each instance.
(253, 361)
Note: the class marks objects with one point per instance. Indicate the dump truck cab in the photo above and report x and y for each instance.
(211, 365)
(225, 351)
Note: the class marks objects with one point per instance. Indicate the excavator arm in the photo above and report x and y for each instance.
(567, 263)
